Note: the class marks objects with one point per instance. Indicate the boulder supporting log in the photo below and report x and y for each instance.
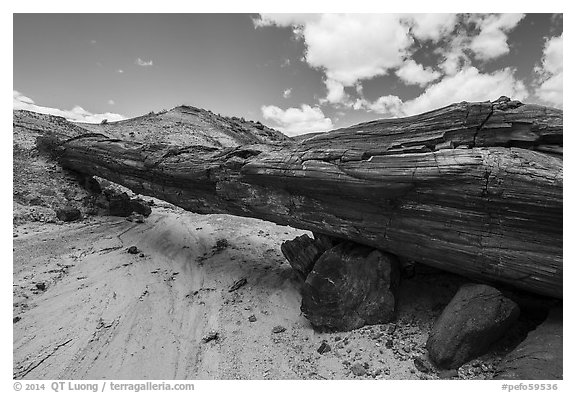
(302, 252)
(472, 188)
(476, 317)
(539, 356)
(351, 286)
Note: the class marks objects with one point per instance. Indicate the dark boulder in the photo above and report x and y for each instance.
(476, 317)
(140, 206)
(92, 185)
(68, 214)
(301, 252)
(119, 204)
(325, 242)
(351, 286)
(539, 356)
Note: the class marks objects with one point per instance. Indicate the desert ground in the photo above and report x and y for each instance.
(85, 308)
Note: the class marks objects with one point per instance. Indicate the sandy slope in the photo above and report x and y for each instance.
(106, 313)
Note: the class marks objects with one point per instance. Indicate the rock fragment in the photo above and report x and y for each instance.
(358, 369)
(68, 214)
(238, 284)
(211, 336)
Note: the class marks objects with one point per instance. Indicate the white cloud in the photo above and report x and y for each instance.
(492, 40)
(468, 84)
(287, 93)
(413, 73)
(351, 48)
(336, 93)
(284, 20)
(77, 113)
(120, 71)
(553, 55)
(551, 90)
(348, 47)
(552, 72)
(389, 105)
(21, 99)
(143, 63)
(296, 121)
(111, 102)
(432, 26)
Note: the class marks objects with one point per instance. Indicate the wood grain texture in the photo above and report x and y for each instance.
(472, 188)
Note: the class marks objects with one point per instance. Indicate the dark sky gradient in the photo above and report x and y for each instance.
(219, 62)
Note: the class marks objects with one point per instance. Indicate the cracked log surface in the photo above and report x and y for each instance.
(472, 188)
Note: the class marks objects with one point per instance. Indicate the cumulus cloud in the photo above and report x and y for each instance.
(413, 73)
(144, 63)
(551, 72)
(336, 93)
(492, 41)
(352, 48)
(468, 84)
(431, 26)
(348, 47)
(111, 102)
(287, 93)
(389, 105)
(77, 114)
(296, 121)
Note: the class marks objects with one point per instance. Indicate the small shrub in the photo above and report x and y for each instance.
(221, 245)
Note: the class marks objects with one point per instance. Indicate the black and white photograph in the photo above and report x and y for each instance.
(360, 196)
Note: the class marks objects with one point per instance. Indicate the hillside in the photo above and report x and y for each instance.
(40, 185)
(185, 125)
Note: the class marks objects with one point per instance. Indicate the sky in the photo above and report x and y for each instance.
(297, 73)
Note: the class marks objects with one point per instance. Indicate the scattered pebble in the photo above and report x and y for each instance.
(324, 347)
(358, 369)
(447, 374)
(252, 318)
(41, 286)
(278, 329)
(16, 319)
(133, 250)
(238, 284)
(421, 365)
(212, 335)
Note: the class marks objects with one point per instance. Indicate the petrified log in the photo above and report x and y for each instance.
(472, 188)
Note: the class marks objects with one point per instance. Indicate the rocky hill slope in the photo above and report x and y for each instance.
(184, 125)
